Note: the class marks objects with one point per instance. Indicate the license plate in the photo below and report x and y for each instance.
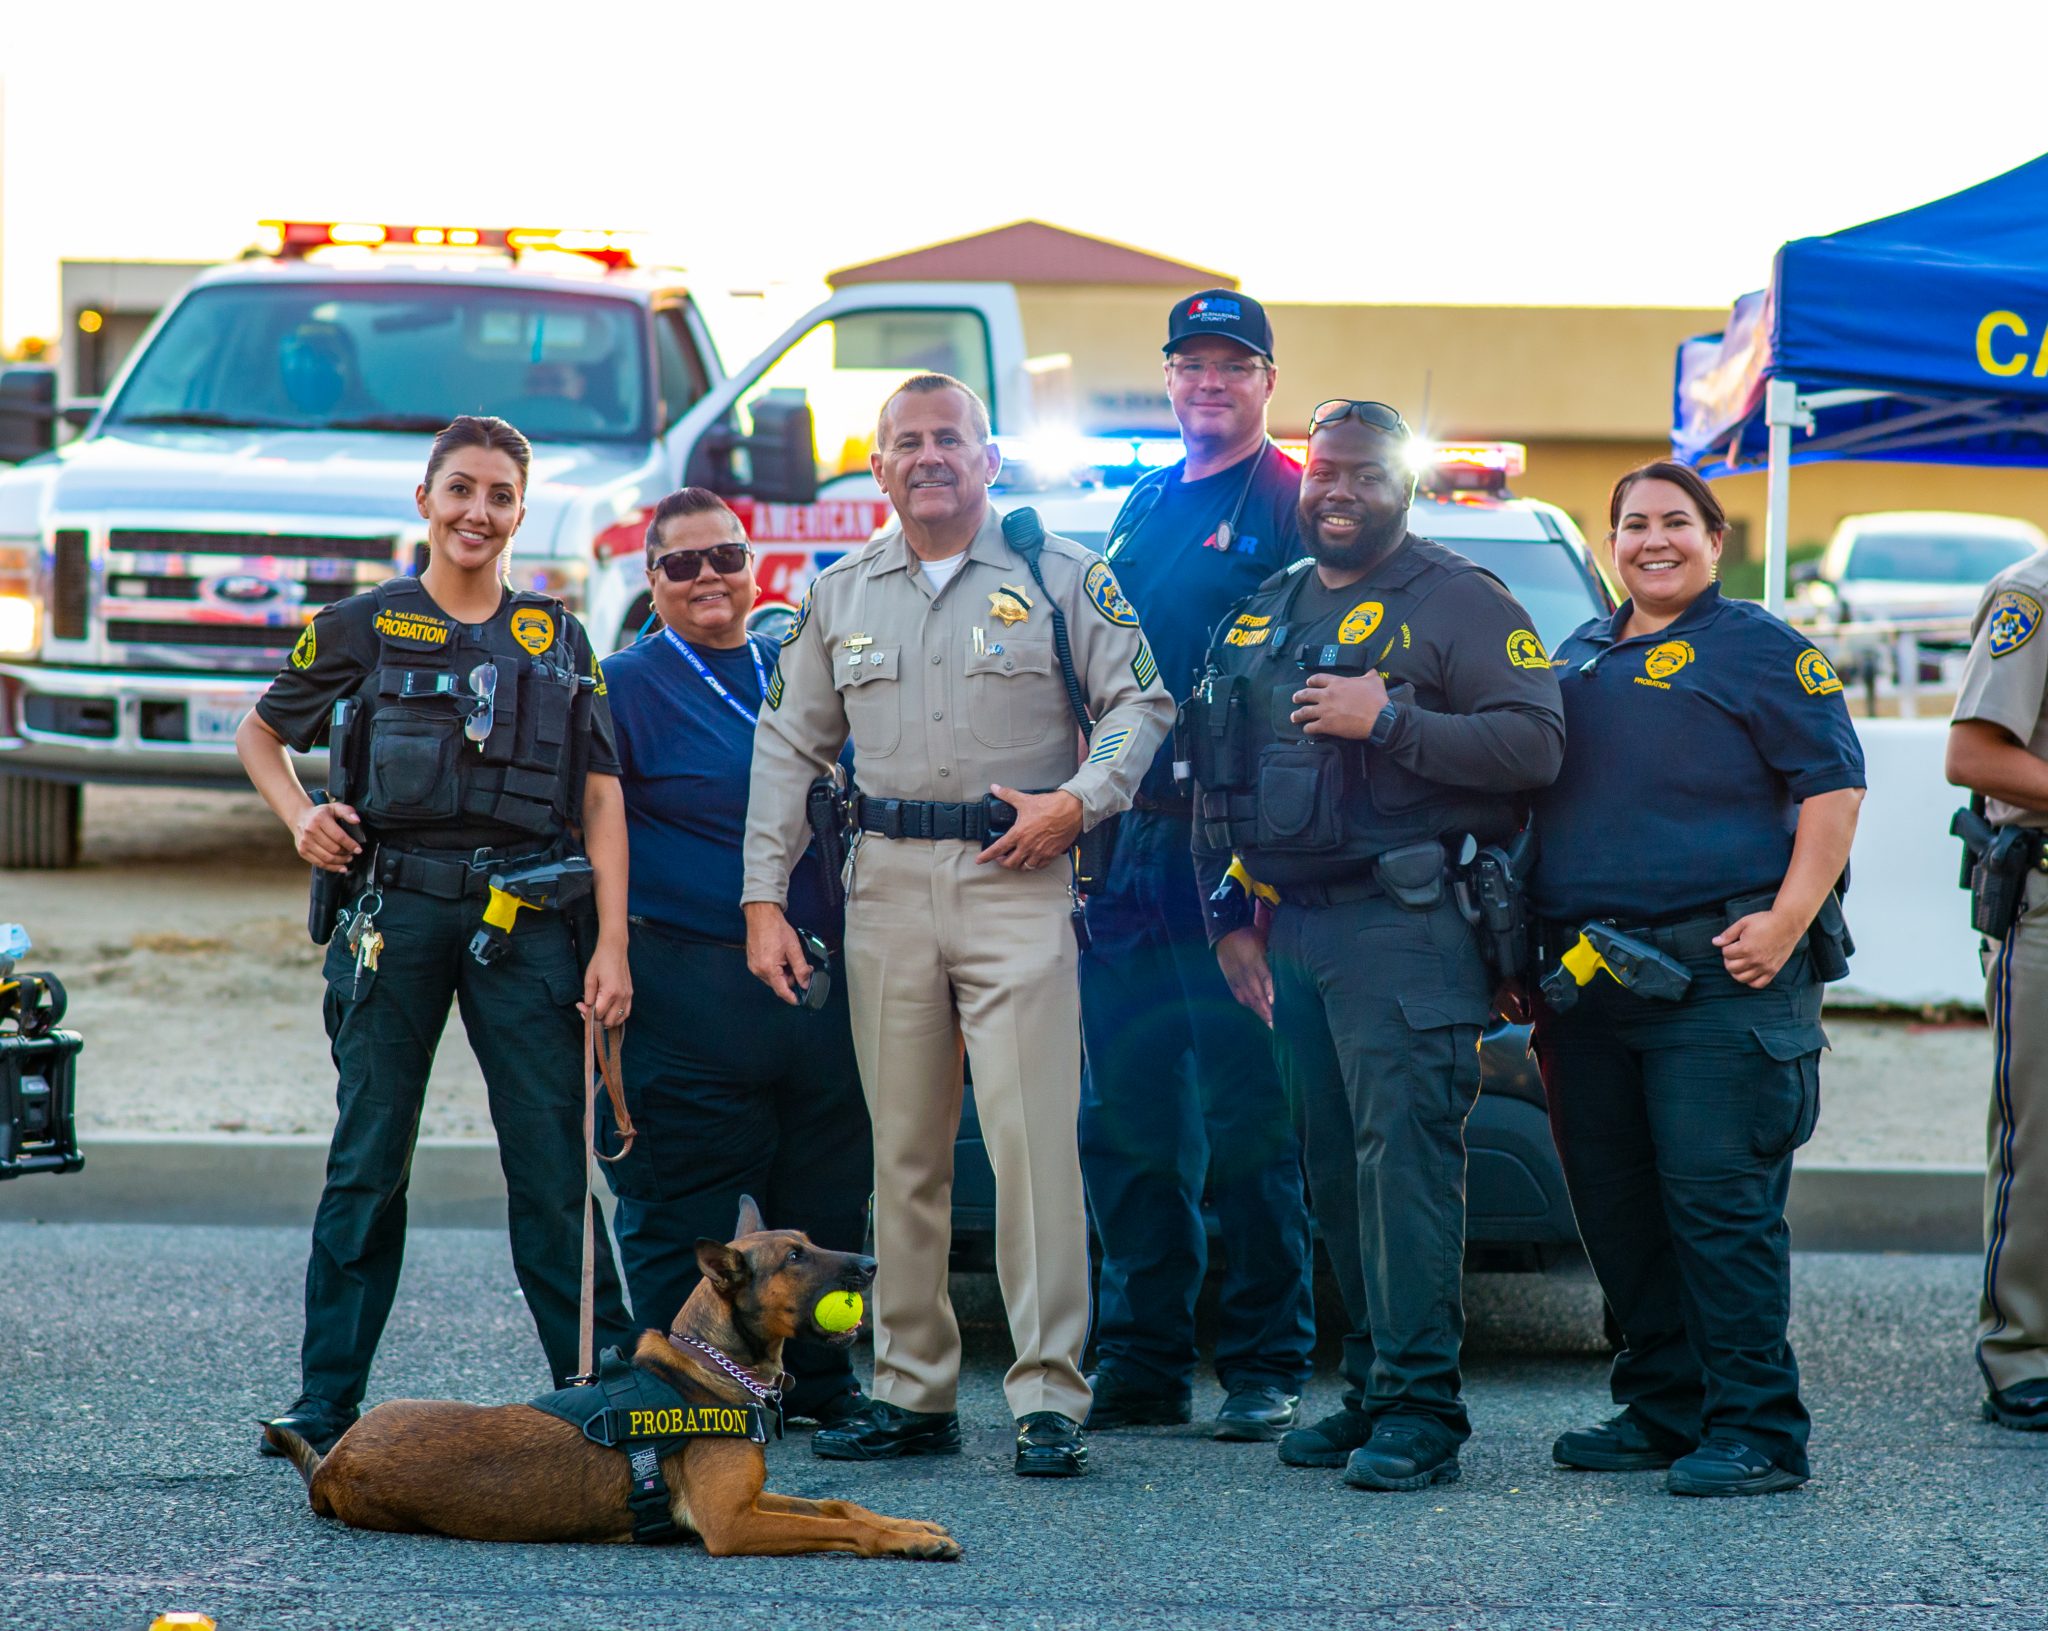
(214, 722)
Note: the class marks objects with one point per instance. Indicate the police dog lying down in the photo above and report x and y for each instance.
(670, 1420)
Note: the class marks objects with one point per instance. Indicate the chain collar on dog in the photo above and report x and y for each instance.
(766, 1394)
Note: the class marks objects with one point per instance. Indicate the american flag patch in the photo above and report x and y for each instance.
(1106, 747)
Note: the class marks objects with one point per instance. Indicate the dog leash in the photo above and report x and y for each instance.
(600, 1061)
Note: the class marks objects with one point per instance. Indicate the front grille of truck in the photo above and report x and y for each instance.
(136, 586)
(297, 546)
(70, 586)
(125, 631)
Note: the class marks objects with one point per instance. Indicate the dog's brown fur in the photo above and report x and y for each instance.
(511, 1472)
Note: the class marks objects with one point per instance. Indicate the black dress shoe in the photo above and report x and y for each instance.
(1256, 1415)
(881, 1432)
(1118, 1404)
(2022, 1407)
(1050, 1445)
(830, 1410)
(318, 1422)
(1620, 1444)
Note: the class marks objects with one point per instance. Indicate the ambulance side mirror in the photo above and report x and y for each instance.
(28, 412)
(777, 464)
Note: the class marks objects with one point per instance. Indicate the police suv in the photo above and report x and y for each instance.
(1518, 1213)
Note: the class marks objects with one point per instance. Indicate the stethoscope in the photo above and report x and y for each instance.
(1138, 508)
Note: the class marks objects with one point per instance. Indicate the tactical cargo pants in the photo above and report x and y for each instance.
(2012, 1316)
(1377, 1013)
(521, 1020)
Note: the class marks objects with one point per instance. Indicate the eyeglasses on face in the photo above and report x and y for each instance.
(1374, 415)
(683, 565)
(1230, 372)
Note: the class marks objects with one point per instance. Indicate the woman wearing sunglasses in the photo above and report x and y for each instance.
(732, 1091)
(1705, 809)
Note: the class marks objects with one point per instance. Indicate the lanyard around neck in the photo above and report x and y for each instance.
(718, 686)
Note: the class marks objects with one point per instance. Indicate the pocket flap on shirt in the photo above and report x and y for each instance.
(851, 668)
(1436, 1012)
(1035, 658)
(1792, 1040)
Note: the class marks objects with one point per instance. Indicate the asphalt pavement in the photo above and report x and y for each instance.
(136, 1359)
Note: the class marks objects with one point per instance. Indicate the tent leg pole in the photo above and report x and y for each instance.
(1781, 413)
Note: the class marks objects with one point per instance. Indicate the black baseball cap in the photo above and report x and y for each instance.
(1224, 313)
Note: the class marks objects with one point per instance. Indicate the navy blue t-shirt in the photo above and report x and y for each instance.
(1686, 753)
(1173, 568)
(685, 754)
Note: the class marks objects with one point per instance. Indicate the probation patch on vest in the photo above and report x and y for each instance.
(1817, 674)
(1144, 666)
(1100, 585)
(2014, 617)
(415, 627)
(302, 653)
(1249, 630)
(1526, 651)
(533, 629)
(1359, 623)
(1661, 662)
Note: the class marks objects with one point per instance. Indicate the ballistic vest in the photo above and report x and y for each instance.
(1300, 809)
(469, 723)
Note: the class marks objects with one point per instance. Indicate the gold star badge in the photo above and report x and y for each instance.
(1009, 603)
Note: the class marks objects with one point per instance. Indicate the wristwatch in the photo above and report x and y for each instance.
(1382, 731)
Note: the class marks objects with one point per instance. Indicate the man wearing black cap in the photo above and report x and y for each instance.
(1181, 1086)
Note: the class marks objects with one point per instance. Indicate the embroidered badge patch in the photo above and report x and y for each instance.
(1817, 674)
(302, 653)
(533, 629)
(2012, 622)
(1359, 623)
(803, 616)
(1661, 662)
(1526, 651)
(597, 673)
(1100, 585)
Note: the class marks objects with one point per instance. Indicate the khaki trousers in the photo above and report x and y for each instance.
(941, 949)
(2012, 1316)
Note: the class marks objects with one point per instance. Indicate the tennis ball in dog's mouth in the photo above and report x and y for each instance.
(839, 1310)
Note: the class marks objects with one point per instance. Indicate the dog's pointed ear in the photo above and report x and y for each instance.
(725, 1268)
(751, 1222)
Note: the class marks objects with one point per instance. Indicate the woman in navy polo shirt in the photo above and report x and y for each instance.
(1706, 805)
(732, 1091)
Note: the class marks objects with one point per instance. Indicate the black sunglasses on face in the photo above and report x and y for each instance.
(683, 565)
(1374, 415)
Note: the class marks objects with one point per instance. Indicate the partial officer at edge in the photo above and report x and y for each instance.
(486, 744)
(1180, 1083)
(938, 648)
(1363, 714)
(1998, 748)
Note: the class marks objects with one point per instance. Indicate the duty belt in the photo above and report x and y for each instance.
(445, 874)
(976, 823)
(1339, 893)
(1690, 937)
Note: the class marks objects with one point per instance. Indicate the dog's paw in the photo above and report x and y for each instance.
(938, 1547)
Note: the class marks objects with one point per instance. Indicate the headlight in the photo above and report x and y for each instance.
(564, 579)
(21, 601)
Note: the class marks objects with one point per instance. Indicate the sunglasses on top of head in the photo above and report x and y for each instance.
(683, 565)
(1373, 415)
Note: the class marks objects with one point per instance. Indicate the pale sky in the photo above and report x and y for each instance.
(1554, 153)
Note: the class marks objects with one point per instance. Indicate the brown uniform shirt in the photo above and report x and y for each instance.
(945, 695)
(2005, 677)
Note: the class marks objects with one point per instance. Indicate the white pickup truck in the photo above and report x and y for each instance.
(256, 460)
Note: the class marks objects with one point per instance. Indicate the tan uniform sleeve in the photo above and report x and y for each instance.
(2006, 674)
(1120, 677)
(801, 730)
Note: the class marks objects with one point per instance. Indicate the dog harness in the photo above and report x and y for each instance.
(639, 1413)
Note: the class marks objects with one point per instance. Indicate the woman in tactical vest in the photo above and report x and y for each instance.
(470, 739)
(1686, 917)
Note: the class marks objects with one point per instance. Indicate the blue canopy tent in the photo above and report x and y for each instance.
(1922, 337)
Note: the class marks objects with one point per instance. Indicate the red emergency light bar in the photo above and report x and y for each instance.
(292, 240)
(1464, 467)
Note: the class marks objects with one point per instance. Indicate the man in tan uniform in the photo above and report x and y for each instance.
(934, 648)
(1998, 747)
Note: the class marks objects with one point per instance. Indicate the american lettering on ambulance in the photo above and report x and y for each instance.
(784, 574)
(829, 521)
